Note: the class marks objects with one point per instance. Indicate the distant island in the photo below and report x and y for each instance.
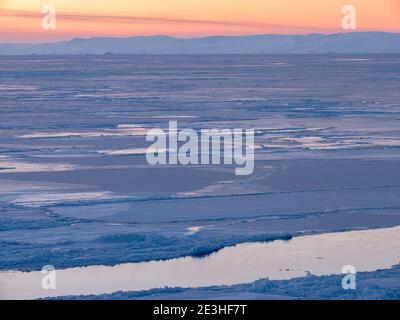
(339, 43)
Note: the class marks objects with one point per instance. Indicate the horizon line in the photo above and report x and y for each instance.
(199, 37)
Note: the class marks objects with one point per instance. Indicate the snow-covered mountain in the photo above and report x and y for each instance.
(352, 42)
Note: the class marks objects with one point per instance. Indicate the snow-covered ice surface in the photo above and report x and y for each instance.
(378, 285)
(322, 254)
(76, 190)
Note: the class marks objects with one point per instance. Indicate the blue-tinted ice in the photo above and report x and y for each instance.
(76, 190)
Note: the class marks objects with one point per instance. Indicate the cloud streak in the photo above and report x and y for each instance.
(119, 19)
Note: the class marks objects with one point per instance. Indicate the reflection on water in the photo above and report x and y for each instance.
(318, 254)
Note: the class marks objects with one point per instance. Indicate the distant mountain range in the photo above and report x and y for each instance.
(346, 43)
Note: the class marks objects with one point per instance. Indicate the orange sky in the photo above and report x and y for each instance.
(20, 20)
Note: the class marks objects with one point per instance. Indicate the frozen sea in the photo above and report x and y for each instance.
(76, 190)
